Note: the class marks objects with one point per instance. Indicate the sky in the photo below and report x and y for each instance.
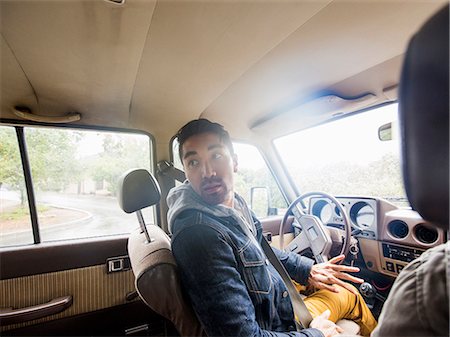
(353, 140)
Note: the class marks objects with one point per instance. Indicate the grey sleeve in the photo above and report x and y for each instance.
(297, 266)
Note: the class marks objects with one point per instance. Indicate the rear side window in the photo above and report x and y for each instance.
(74, 176)
(15, 222)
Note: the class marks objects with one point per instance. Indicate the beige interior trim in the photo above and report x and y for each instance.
(329, 105)
(92, 289)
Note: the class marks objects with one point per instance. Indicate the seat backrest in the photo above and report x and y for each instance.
(152, 262)
(424, 120)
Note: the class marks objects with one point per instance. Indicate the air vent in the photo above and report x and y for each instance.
(398, 229)
(425, 234)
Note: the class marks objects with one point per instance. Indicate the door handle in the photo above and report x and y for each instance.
(12, 316)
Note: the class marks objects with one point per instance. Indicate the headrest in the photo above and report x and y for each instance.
(424, 119)
(138, 189)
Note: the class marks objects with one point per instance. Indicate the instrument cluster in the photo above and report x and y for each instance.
(361, 211)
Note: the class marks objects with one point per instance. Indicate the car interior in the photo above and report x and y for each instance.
(93, 93)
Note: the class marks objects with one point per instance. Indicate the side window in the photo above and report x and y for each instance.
(253, 181)
(15, 221)
(75, 175)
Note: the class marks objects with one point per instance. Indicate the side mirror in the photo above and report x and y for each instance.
(260, 201)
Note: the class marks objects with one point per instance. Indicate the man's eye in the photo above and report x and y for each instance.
(217, 156)
(193, 163)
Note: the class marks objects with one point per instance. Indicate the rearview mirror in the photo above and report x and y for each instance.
(388, 131)
(385, 132)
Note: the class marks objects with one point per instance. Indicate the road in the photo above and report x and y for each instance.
(106, 218)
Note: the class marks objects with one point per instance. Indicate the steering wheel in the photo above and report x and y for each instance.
(314, 234)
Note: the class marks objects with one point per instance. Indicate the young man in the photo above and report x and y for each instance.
(233, 288)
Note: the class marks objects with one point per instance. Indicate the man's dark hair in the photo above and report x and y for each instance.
(202, 125)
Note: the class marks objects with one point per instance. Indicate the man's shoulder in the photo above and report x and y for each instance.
(433, 268)
(193, 218)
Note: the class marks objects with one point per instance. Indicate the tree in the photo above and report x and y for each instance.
(51, 155)
(120, 153)
(11, 172)
(380, 178)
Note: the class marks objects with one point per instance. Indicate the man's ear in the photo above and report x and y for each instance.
(235, 163)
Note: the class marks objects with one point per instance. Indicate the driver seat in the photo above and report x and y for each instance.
(157, 281)
(154, 267)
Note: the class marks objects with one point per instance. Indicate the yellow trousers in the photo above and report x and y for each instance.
(342, 305)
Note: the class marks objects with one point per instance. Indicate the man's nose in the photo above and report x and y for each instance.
(208, 170)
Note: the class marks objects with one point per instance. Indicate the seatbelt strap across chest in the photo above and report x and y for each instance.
(302, 315)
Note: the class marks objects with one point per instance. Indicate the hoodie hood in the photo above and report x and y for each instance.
(183, 197)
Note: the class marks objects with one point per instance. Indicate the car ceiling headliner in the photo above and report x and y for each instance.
(154, 65)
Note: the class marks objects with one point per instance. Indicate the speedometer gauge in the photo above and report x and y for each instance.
(362, 214)
(323, 210)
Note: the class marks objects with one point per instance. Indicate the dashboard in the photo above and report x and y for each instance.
(362, 213)
(389, 237)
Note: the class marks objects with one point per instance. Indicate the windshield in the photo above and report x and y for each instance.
(345, 157)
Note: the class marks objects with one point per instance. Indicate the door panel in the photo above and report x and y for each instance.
(131, 319)
(37, 274)
(272, 225)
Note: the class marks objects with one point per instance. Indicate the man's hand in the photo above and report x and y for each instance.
(327, 327)
(324, 275)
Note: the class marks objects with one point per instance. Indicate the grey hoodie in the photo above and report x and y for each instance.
(184, 197)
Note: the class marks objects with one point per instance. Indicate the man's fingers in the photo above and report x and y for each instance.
(335, 277)
(347, 277)
(326, 314)
(321, 285)
(337, 259)
(348, 286)
(327, 283)
(344, 268)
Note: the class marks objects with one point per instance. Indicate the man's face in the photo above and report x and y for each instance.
(209, 167)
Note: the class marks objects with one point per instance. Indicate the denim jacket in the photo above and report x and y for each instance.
(234, 289)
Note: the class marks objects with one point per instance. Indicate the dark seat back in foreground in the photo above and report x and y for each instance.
(424, 120)
(418, 304)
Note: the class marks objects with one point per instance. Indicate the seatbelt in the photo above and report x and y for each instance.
(167, 169)
(302, 315)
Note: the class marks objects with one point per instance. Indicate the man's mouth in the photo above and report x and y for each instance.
(211, 188)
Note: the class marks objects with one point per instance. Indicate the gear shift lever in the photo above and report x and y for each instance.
(369, 293)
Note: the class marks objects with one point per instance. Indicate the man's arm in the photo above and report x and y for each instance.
(297, 266)
(209, 274)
